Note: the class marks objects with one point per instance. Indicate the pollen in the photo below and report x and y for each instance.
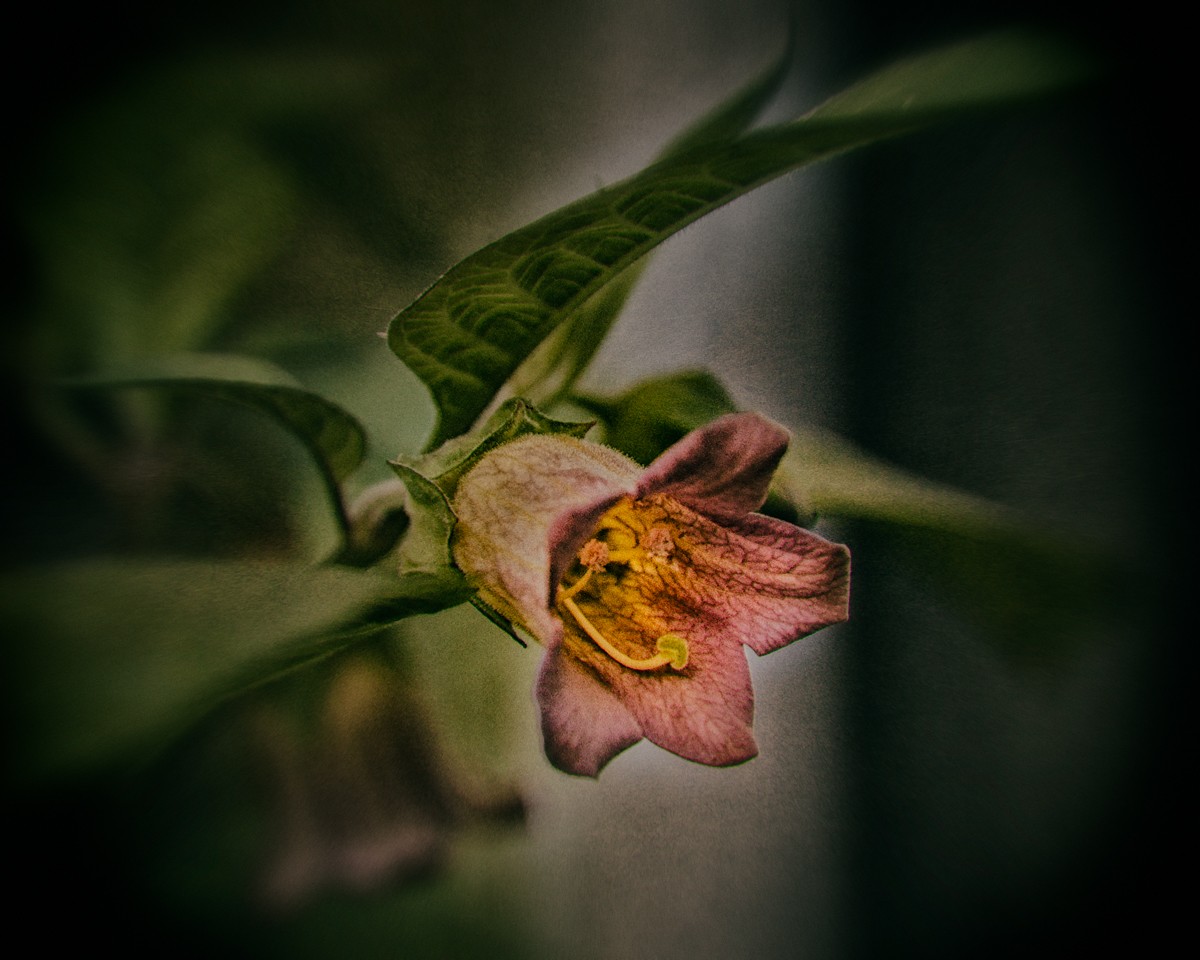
(594, 555)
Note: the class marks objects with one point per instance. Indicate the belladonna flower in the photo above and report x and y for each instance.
(363, 796)
(643, 585)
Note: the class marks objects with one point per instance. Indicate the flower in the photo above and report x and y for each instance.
(363, 796)
(643, 585)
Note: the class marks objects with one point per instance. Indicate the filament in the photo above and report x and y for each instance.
(649, 663)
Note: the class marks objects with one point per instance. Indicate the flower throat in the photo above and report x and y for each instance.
(623, 538)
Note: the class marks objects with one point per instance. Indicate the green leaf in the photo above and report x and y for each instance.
(1030, 587)
(118, 657)
(468, 333)
(156, 205)
(836, 478)
(1007, 67)
(550, 371)
(334, 438)
(652, 415)
(734, 116)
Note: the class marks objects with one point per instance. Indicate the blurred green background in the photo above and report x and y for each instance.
(980, 304)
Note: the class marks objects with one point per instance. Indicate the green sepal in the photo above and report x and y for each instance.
(432, 480)
(425, 549)
(516, 417)
(497, 618)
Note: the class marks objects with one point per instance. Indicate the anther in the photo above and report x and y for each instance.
(594, 555)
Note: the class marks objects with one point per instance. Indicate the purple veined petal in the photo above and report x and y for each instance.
(820, 600)
(723, 469)
(767, 582)
(584, 724)
(593, 708)
(704, 714)
(765, 608)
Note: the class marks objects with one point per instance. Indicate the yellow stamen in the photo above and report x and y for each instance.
(672, 647)
(565, 593)
(618, 536)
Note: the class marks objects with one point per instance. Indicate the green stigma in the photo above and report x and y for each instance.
(674, 646)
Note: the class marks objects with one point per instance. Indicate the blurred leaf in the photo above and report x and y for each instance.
(146, 254)
(552, 369)
(835, 478)
(115, 657)
(467, 334)
(1005, 67)
(334, 438)
(149, 211)
(731, 118)
(655, 413)
(1030, 587)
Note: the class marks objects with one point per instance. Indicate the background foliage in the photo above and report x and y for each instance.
(980, 760)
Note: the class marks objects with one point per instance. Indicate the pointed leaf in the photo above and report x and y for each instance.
(117, 657)
(731, 118)
(467, 334)
(550, 371)
(334, 438)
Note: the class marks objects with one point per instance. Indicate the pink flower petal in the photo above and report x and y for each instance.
(723, 469)
(592, 707)
(584, 724)
(782, 582)
(702, 713)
